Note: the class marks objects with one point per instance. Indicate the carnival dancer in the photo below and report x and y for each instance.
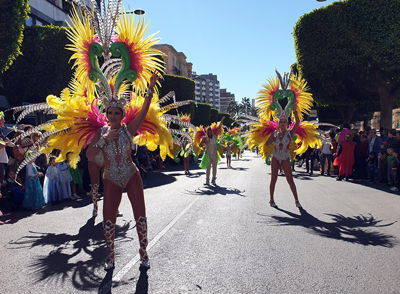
(274, 137)
(210, 157)
(228, 154)
(120, 172)
(281, 155)
(129, 70)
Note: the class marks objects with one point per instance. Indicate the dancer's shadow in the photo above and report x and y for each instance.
(77, 256)
(355, 229)
(214, 190)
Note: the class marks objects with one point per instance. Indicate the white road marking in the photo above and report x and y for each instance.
(136, 258)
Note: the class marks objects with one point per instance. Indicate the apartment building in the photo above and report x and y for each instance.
(224, 99)
(56, 12)
(175, 62)
(207, 89)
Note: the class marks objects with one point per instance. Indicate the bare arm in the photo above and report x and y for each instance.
(134, 126)
(270, 139)
(92, 151)
(297, 123)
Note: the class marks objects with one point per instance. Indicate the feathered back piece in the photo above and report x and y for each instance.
(292, 88)
(128, 56)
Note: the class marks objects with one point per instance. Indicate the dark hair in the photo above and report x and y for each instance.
(392, 132)
(364, 136)
(51, 157)
(332, 135)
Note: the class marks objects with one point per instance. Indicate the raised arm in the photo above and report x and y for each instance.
(270, 139)
(94, 146)
(134, 126)
(297, 123)
(220, 125)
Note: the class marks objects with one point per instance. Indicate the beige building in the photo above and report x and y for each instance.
(224, 99)
(175, 61)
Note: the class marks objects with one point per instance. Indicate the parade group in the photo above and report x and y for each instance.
(110, 109)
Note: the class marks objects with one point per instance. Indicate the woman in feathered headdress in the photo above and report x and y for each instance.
(274, 137)
(129, 71)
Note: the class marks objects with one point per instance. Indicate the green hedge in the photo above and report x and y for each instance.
(183, 88)
(43, 69)
(202, 114)
(13, 14)
(213, 115)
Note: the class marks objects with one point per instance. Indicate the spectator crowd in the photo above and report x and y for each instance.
(367, 155)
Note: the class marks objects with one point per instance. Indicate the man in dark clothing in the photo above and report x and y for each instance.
(361, 158)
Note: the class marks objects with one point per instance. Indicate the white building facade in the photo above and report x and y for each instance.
(207, 90)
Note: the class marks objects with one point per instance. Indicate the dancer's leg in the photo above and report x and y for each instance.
(95, 173)
(111, 200)
(289, 178)
(274, 176)
(136, 197)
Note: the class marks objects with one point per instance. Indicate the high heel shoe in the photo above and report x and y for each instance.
(298, 205)
(110, 263)
(273, 204)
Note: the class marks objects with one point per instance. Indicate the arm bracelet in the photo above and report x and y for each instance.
(100, 143)
(149, 91)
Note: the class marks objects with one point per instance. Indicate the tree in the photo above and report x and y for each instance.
(245, 106)
(233, 108)
(13, 14)
(349, 48)
(42, 69)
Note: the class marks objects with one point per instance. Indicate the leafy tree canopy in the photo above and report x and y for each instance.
(348, 48)
(13, 14)
(42, 69)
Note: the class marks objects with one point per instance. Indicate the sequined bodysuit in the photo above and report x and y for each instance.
(281, 151)
(119, 167)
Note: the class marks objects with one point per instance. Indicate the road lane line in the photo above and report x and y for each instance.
(135, 259)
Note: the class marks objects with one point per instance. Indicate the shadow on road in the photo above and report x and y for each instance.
(155, 179)
(355, 229)
(60, 264)
(214, 190)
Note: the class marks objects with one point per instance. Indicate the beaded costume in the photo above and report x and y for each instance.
(119, 167)
(281, 151)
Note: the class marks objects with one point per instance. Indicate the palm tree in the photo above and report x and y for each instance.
(233, 108)
(245, 106)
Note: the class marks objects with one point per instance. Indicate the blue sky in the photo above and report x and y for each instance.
(240, 42)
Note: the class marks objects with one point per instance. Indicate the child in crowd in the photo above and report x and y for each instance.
(14, 189)
(66, 179)
(53, 187)
(393, 175)
(34, 198)
(76, 180)
(372, 163)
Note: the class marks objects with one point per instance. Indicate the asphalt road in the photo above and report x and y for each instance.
(223, 239)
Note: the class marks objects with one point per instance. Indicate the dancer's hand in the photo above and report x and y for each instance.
(111, 135)
(153, 80)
